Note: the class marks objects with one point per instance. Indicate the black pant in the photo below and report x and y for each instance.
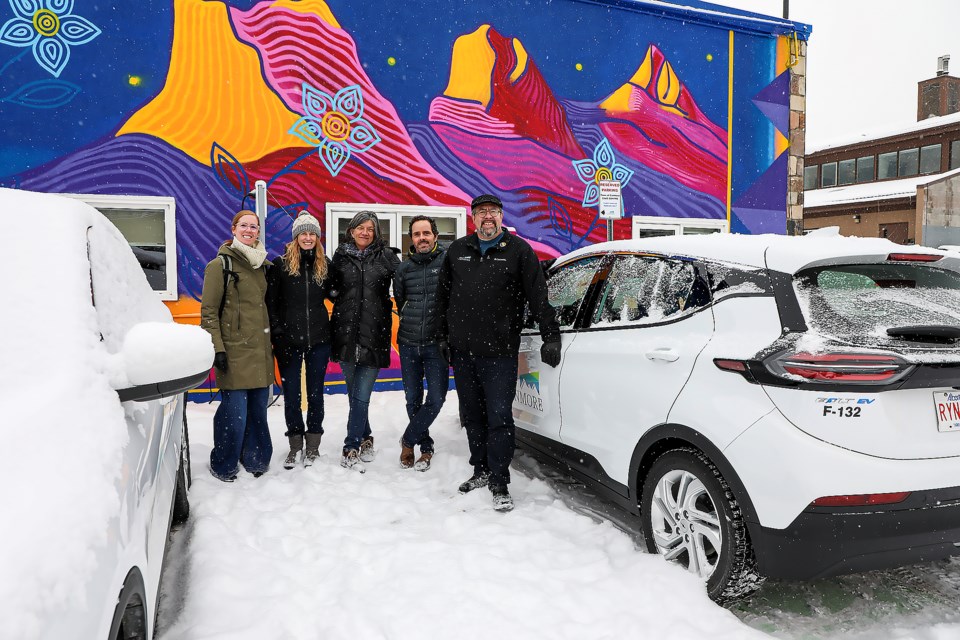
(486, 387)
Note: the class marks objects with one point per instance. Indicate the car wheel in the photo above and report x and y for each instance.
(181, 499)
(690, 516)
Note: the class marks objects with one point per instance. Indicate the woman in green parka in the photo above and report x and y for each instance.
(234, 311)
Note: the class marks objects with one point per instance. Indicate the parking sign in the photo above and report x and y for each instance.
(611, 200)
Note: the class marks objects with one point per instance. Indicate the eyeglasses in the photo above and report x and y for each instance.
(251, 227)
(487, 212)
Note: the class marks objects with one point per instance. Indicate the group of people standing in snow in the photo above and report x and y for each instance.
(462, 307)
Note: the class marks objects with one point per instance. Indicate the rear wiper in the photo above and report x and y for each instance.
(938, 333)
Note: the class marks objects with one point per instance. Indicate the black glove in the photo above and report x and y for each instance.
(550, 353)
(444, 348)
(220, 361)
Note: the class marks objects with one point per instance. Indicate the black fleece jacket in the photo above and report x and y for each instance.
(481, 298)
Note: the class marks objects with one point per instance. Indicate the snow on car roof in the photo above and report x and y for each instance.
(781, 253)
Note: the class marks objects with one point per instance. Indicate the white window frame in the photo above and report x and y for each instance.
(162, 203)
(336, 211)
(678, 225)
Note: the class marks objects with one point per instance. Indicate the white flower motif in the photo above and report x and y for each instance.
(603, 166)
(335, 125)
(50, 27)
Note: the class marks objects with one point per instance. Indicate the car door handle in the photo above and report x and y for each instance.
(667, 355)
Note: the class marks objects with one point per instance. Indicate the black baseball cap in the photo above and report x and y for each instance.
(486, 198)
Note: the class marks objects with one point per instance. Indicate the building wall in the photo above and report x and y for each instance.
(427, 102)
(869, 222)
(798, 135)
(940, 208)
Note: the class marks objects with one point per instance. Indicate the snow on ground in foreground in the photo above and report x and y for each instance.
(328, 553)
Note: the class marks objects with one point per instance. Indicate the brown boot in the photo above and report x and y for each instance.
(423, 462)
(406, 456)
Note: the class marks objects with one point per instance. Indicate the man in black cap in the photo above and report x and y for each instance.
(485, 281)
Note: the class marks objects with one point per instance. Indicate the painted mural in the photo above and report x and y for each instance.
(420, 102)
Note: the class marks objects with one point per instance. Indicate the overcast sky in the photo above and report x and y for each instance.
(865, 58)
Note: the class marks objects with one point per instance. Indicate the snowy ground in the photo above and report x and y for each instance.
(328, 553)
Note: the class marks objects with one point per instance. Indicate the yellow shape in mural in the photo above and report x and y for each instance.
(214, 92)
(521, 65)
(619, 100)
(316, 7)
(471, 67)
(780, 143)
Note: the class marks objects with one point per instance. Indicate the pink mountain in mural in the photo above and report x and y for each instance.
(500, 118)
(307, 48)
(654, 119)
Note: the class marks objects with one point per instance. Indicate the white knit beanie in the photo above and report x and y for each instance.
(305, 223)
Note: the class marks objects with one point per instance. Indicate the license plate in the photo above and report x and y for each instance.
(947, 407)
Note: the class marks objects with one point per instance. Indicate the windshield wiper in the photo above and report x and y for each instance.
(937, 333)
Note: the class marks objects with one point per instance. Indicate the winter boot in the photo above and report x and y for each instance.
(406, 456)
(296, 446)
(313, 449)
(367, 452)
(351, 460)
(423, 462)
(502, 500)
(476, 481)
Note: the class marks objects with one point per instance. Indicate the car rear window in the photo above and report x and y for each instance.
(862, 301)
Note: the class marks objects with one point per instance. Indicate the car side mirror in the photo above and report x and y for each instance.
(162, 359)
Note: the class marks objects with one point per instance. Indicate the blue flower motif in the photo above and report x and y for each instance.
(335, 125)
(603, 166)
(50, 27)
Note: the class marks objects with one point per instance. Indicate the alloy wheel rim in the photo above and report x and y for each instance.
(686, 523)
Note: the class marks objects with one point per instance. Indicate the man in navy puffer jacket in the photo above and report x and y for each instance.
(415, 291)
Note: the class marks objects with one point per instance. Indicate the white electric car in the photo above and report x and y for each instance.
(768, 406)
(96, 458)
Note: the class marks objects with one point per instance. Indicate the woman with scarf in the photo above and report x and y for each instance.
(233, 310)
(361, 326)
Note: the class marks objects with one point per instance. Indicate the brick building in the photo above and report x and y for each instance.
(903, 184)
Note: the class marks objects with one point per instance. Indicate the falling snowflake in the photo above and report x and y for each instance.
(50, 27)
(335, 125)
(603, 166)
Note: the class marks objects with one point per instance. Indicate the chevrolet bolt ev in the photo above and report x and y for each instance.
(113, 375)
(768, 406)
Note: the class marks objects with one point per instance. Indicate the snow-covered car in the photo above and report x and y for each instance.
(768, 406)
(95, 455)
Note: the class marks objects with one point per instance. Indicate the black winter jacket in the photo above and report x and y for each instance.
(362, 311)
(415, 290)
(298, 315)
(481, 299)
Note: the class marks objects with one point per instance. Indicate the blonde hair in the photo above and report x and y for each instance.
(291, 257)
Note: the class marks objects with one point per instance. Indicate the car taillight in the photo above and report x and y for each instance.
(834, 367)
(913, 257)
(862, 500)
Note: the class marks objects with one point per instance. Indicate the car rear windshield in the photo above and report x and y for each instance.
(860, 302)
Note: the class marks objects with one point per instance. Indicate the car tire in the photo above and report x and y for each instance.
(181, 498)
(689, 515)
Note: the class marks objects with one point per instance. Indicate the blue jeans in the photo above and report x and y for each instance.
(290, 361)
(486, 387)
(418, 363)
(240, 433)
(359, 387)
